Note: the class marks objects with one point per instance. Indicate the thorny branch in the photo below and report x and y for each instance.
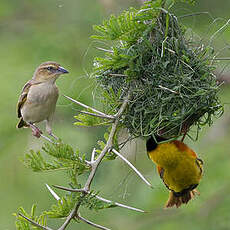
(96, 115)
(94, 163)
(35, 223)
(91, 223)
(88, 107)
(131, 166)
(99, 198)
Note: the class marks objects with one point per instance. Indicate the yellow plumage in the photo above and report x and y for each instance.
(179, 168)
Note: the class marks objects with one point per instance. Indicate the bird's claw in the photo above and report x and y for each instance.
(36, 131)
(52, 135)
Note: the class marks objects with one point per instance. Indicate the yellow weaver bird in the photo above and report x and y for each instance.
(38, 98)
(179, 168)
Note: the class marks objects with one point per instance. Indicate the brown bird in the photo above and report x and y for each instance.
(38, 98)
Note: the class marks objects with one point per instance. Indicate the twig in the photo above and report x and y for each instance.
(99, 198)
(70, 217)
(170, 90)
(93, 155)
(193, 14)
(96, 115)
(68, 189)
(32, 126)
(74, 214)
(34, 223)
(122, 109)
(219, 30)
(119, 204)
(91, 223)
(187, 66)
(170, 50)
(118, 75)
(52, 192)
(107, 146)
(163, 46)
(87, 107)
(220, 59)
(105, 50)
(47, 139)
(131, 166)
(96, 163)
(87, 162)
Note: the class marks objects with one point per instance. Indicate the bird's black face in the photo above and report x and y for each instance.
(152, 143)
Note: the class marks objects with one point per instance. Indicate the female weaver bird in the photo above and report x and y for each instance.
(38, 98)
(178, 167)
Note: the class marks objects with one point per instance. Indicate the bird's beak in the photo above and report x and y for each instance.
(61, 70)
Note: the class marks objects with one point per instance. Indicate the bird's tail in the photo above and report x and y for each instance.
(21, 123)
(176, 200)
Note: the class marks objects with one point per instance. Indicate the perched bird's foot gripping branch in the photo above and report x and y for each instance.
(35, 130)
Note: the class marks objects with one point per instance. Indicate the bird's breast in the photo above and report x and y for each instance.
(40, 103)
(184, 175)
(42, 93)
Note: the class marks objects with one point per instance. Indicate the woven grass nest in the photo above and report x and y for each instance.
(169, 77)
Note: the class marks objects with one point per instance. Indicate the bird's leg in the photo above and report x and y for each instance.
(35, 130)
(49, 129)
(185, 131)
(182, 139)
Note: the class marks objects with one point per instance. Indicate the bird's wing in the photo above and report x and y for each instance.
(199, 163)
(23, 97)
(161, 173)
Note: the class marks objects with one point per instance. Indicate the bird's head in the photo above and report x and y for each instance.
(48, 71)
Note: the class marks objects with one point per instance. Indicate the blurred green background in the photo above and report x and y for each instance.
(35, 31)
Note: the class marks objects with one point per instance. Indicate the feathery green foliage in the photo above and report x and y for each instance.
(93, 203)
(63, 206)
(67, 203)
(60, 156)
(22, 224)
(88, 120)
(127, 27)
(186, 1)
(172, 87)
(170, 77)
(61, 209)
(101, 144)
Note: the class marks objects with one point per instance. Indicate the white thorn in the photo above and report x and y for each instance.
(118, 204)
(52, 192)
(93, 155)
(131, 166)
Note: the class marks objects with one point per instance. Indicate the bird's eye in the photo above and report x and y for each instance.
(49, 68)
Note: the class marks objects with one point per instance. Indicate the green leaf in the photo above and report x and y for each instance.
(88, 120)
(23, 224)
(63, 206)
(61, 157)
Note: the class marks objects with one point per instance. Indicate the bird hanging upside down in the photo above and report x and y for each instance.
(178, 167)
(38, 98)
